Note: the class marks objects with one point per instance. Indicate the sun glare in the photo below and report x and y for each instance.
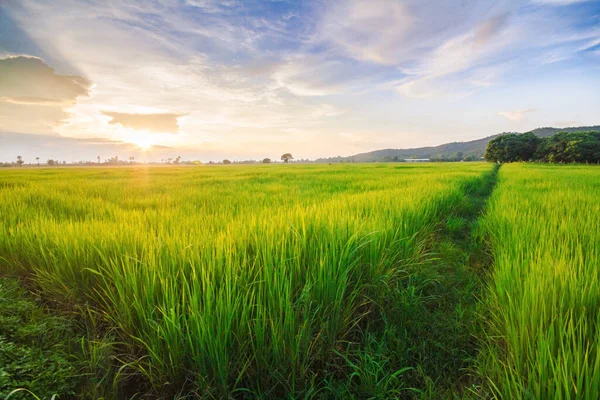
(143, 141)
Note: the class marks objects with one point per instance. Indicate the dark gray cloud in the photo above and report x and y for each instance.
(160, 122)
(33, 97)
(28, 80)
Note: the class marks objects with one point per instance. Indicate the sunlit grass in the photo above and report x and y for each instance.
(544, 297)
(232, 281)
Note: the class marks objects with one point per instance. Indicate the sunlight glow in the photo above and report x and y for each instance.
(142, 140)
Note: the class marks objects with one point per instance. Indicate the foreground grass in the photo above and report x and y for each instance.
(34, 354)
(49, 353)
(544, 305)
(268, 282)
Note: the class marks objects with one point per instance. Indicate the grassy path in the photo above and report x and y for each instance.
(439, 302)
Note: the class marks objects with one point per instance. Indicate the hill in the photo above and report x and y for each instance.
(471, 150)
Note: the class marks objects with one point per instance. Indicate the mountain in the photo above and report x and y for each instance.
(472, 150)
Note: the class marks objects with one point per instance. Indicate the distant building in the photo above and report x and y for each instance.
(417, 160)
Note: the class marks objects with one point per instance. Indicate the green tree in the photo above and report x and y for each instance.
(266, 161)
(512, 147)
(570, 147)
(562, 147)
(287, 157)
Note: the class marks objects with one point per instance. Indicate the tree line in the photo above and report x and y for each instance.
(286, 157)
(562, 147)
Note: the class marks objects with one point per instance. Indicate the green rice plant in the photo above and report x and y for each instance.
(455, 224)
(241, 281)
(35, 346)
(543, 339)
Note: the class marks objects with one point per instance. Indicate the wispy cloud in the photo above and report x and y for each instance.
(517, 115)
(559, 2)
(371, 30)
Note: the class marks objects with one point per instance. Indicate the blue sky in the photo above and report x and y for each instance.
(208, 79)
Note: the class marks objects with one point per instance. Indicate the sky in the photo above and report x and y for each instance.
(209, 79)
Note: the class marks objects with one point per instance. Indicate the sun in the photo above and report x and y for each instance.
(143, 141)
(143, 145)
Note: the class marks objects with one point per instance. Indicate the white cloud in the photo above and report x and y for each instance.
(488, 76)
(517, 115)
(431, 88)
(462, 53)
(559, 2)
(327, 110)
(309, 76)
(213, 6)
(370, 30)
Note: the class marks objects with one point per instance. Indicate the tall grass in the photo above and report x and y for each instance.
(229, 281)
(544, 297)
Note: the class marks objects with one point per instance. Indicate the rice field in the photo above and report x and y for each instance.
(260, 281)
(313, 281)
(543, 222)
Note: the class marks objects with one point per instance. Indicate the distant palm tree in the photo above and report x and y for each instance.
(98, 159)
(20, 161)
(38, 160)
